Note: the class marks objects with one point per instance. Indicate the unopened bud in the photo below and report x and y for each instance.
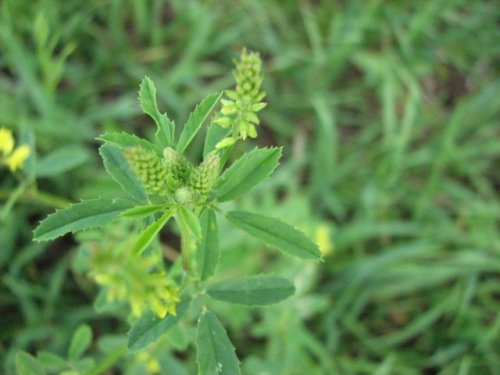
(203, 178)
(178, 168)
(226, 142)
(149, 169)
(184, 196)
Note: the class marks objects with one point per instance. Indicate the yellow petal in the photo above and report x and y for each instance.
(323, 239)
(136, 303)
(18, 157)
(154, 366)
(158, 308)
(6, 141)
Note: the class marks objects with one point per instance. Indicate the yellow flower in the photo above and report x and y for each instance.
(150, 362)
(323, 239)
(18, 157)
(128, 277)
(6, 141)
(13, 158)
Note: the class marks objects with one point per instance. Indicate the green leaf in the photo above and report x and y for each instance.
(124, 141)
(149, 234)
(147, 100)
(275, 233)
(247, 172)
(139, 212)
(61, 160)
(84, 215)
(84, 365)
(256, 290)
(80, 342)
(215, 134)
(117, 167)
(51, 361)
(166, 132)
(26, 364)
(150, 327)
(215, 353)
(196, 120)
(189, 220)
(207, 252)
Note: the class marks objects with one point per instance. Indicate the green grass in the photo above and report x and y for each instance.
(389, 113)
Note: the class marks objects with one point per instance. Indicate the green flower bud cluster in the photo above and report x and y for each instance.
(178, 169)
(149, 169)
(204, 177)
(174, 175)
(239, 111)
(127, 277)
(190, 184)
(185, 196)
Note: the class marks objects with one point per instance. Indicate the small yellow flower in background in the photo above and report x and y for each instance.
(150, 362)
(6, 141)
(13, 158)
(18, 157)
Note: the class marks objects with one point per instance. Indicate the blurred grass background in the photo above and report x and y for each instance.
(389, 114)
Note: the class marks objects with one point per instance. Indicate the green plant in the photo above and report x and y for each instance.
(73, 364)
(162, 184)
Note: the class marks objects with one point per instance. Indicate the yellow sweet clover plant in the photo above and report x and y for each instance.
(163, 184)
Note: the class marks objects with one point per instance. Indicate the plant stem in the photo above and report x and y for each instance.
(33, 195)
(11, 200)
(187, 247)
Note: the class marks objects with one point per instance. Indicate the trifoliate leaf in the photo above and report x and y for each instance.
(196, 120)
(215, 353)
(252, 290)
(84, 215)
(147, 100)
(276, 233)
(207, 251)
(247, 172)
(148, 235)
(117, 167)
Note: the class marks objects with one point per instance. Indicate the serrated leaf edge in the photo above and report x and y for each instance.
(280, 150)
(254, 305)
(72, 205)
